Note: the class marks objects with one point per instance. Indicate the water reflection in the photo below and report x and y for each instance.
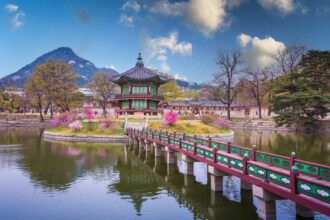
(102, 181)
(142, 179)
(308, 146)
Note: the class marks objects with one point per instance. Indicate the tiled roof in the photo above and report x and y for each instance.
(209, 103)
(139, 72)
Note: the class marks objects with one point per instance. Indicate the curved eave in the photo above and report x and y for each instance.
(124, 79)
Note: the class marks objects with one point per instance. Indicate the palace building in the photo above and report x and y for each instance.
(139, 91)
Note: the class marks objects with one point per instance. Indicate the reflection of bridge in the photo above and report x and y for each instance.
(188, 193)
(272, 176)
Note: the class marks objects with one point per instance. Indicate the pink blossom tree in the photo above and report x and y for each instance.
(89, 112)
(170, 118)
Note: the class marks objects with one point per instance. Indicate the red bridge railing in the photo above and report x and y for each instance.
(298, 177)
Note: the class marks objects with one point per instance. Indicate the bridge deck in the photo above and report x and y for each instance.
(301, 181)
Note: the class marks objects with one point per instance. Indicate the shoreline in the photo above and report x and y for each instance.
(83, 138)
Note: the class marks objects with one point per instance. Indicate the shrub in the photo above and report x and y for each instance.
(170, 118)
(62, 119)
(104, 124)
(188, 116)
(222, 122)
(75, 125)
(207, 119)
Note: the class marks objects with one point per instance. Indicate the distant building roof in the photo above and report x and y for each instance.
(139, 73)
(210, 103)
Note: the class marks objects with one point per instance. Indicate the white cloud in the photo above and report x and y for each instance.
(235, 3)
(207, 16)
(131, 5)
(158, 48)
(259, 53)
(244, 39)
(11, 7)
(166, 8)
(16, 20)
(179, 76)
(126, 20)
(282, 6)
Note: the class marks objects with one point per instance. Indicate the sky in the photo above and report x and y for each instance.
(178, 37)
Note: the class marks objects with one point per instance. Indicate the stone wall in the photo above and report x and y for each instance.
(324, 126)
(83, 138)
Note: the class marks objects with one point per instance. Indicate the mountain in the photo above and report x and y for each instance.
(83, 68)
(190, 85)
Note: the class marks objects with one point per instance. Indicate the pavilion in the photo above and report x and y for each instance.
(139, 90)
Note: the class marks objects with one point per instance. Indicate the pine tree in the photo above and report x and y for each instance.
(301, 97)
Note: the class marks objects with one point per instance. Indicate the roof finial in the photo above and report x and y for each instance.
(139, 61)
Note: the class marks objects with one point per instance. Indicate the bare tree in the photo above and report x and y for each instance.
(289, 58)
(224, 85)
(102, 88)
(257, 84)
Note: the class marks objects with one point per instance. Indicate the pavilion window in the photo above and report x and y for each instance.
(140, 90)
(139, 104)
(153, 105)
(125, 104)
(153, 91)
(125, 90)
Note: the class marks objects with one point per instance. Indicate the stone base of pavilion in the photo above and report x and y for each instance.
(52, 136)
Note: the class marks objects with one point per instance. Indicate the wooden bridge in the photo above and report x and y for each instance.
(270, 176)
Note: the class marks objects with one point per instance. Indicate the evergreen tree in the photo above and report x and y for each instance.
(301, 97)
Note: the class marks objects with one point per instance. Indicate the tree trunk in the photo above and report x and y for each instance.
(228, 112)
(51, 111)
(260, 115)
(40, 112)
(104, 110)
(46, 108)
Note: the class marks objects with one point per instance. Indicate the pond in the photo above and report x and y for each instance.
(53, 180)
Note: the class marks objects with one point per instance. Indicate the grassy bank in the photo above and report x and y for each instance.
(189, 128)
(91, 129)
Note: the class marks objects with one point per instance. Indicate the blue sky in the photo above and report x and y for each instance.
(179, 37)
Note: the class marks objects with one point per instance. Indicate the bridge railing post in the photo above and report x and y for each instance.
(228, 146)
(245, 160)
(168, 138)
(293, 173)
(214, 155)
(184, 136)
(180, 142)
(209, 142)
(253, 152)
(174, 134)
(195, 148)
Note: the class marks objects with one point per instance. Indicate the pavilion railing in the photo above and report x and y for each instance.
(137, 96)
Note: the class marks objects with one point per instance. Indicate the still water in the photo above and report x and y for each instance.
(52, 180)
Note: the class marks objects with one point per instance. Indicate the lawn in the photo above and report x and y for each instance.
(91, 129)
(189, 128)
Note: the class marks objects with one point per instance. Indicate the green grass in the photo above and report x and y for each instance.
(189, 128)
(91, 129)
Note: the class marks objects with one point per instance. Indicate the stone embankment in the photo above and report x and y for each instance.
(83, 138)
(269, 125)
(23, 120)
(24, 123)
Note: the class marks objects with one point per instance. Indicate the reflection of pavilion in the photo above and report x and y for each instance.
(135, 183)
